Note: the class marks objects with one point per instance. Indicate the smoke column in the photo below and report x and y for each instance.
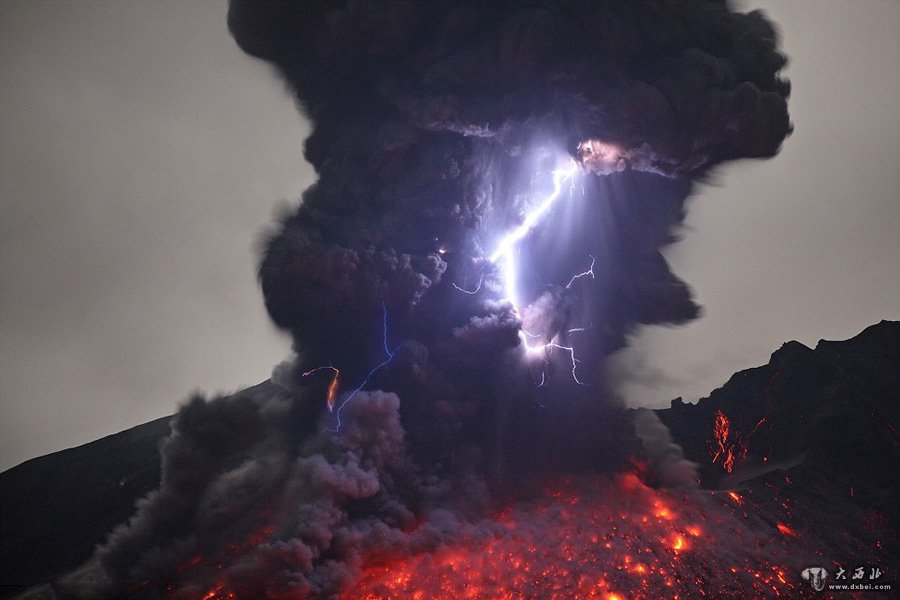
(437, 127)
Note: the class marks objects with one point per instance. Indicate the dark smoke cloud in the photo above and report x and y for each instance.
(432, 119)
(435, 125)
(249, 498)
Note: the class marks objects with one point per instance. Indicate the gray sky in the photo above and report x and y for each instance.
(805, 246)
(142, 153)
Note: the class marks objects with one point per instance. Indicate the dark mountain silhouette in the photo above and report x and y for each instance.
(813, 436)
(833, 408)
(56, 508)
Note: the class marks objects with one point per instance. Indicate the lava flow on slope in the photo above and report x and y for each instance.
(597, 537)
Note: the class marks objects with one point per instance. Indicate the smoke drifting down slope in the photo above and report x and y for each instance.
(437, 126)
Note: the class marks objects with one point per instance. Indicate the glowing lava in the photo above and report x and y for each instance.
(786, 530)
(588, 538)
(331, 394)
(219, 593)
(725, 446)
(582, 536)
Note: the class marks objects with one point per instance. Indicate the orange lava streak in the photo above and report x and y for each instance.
(725, 445)
(333, 389)
(218, 593)
(331, 394)
(786, 530)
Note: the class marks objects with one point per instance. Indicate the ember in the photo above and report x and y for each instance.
(726, 446)
(786, 530)
(219, 593)
(578, 542)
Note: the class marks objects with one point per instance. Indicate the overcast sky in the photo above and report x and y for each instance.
(804, 246)
(142, 154)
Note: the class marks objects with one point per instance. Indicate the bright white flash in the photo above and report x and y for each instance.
(505, 258)
(505, 254)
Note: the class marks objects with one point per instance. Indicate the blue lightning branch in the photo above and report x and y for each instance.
(470, 292)
(588, 273)
(390, 355)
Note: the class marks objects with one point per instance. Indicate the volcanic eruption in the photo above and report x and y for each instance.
(495, 183)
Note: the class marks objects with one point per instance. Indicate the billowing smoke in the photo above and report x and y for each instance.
(435, 123)
(437, 126)
(670, 467)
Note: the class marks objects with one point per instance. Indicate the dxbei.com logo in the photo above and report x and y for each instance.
(844, 579)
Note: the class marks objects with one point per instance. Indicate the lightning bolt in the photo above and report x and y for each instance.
(505, 258)
(470, 292)
(588, 273)
(389, 355)
(571, 350)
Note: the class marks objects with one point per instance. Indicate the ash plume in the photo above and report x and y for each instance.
(670, 467)
(432, 119)
(435, 125)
